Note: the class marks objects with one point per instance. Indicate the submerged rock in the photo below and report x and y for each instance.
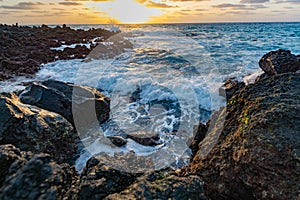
(278, 62)
(83, 104)
(33, 129)
(117, 140)
(257, 156)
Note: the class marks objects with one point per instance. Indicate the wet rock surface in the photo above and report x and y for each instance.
(72, 101)
(24, 49)
(278, 62)
(34, 129)
(257, 156)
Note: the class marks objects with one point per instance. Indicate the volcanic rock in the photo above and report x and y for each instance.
(33, 129)
(278, 62)
(257, 155)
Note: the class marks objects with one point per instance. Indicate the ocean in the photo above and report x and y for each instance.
(177, 70)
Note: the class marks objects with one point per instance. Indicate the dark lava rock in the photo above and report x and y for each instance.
(230, 87)
(278, 62)
(144, 138)
(98, 180)
(261, 77)
(163, 186)
(33, 129)
(10, 155)
(117, 140)
(23, 49)
(38, 177)
(257, 155)
(83, 104)
(199, 134)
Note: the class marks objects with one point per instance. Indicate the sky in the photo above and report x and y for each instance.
(147, 11)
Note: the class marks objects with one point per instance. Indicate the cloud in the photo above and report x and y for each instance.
(70, 3)
(290, 1)
(238, 6)
(24, 6)
(254, 1)
(229, 5)
(152, 4)
(188, 0)
(88, 0)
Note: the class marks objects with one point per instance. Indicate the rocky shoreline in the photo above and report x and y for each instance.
(24, 49)
(257, 155)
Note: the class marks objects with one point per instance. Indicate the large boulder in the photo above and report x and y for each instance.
(258, 153)
(33, 176)
(33, 129)
(80, 105)
(278, 62)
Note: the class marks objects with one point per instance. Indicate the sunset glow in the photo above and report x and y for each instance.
(146, 11)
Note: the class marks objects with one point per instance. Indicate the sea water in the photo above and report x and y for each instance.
(177, 71)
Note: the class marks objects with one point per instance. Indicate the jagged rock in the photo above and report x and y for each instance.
(26, 48)
(278, 62)
(98, 180)
(37, 178)
(261, 77)
(199, 134)
(257, 155)
(230, 87)
(163, 186)
(33, 129)
(83, 104)
(9, 154)
(145, 138)
(117, 140)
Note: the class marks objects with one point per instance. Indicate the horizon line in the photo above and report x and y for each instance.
(171, 23)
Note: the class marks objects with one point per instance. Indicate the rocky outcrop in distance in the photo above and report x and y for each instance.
(24, 49)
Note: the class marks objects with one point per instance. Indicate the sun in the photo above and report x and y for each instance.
(127, 11)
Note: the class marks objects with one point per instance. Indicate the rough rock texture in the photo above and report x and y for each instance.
(230, 87)
(32, 176)
(99, 180)
(83, 104)
(278, 62)
(33, 129)
(199, 134)
(163, 186)
(10, 155)
(257, 156)
(24, 49)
